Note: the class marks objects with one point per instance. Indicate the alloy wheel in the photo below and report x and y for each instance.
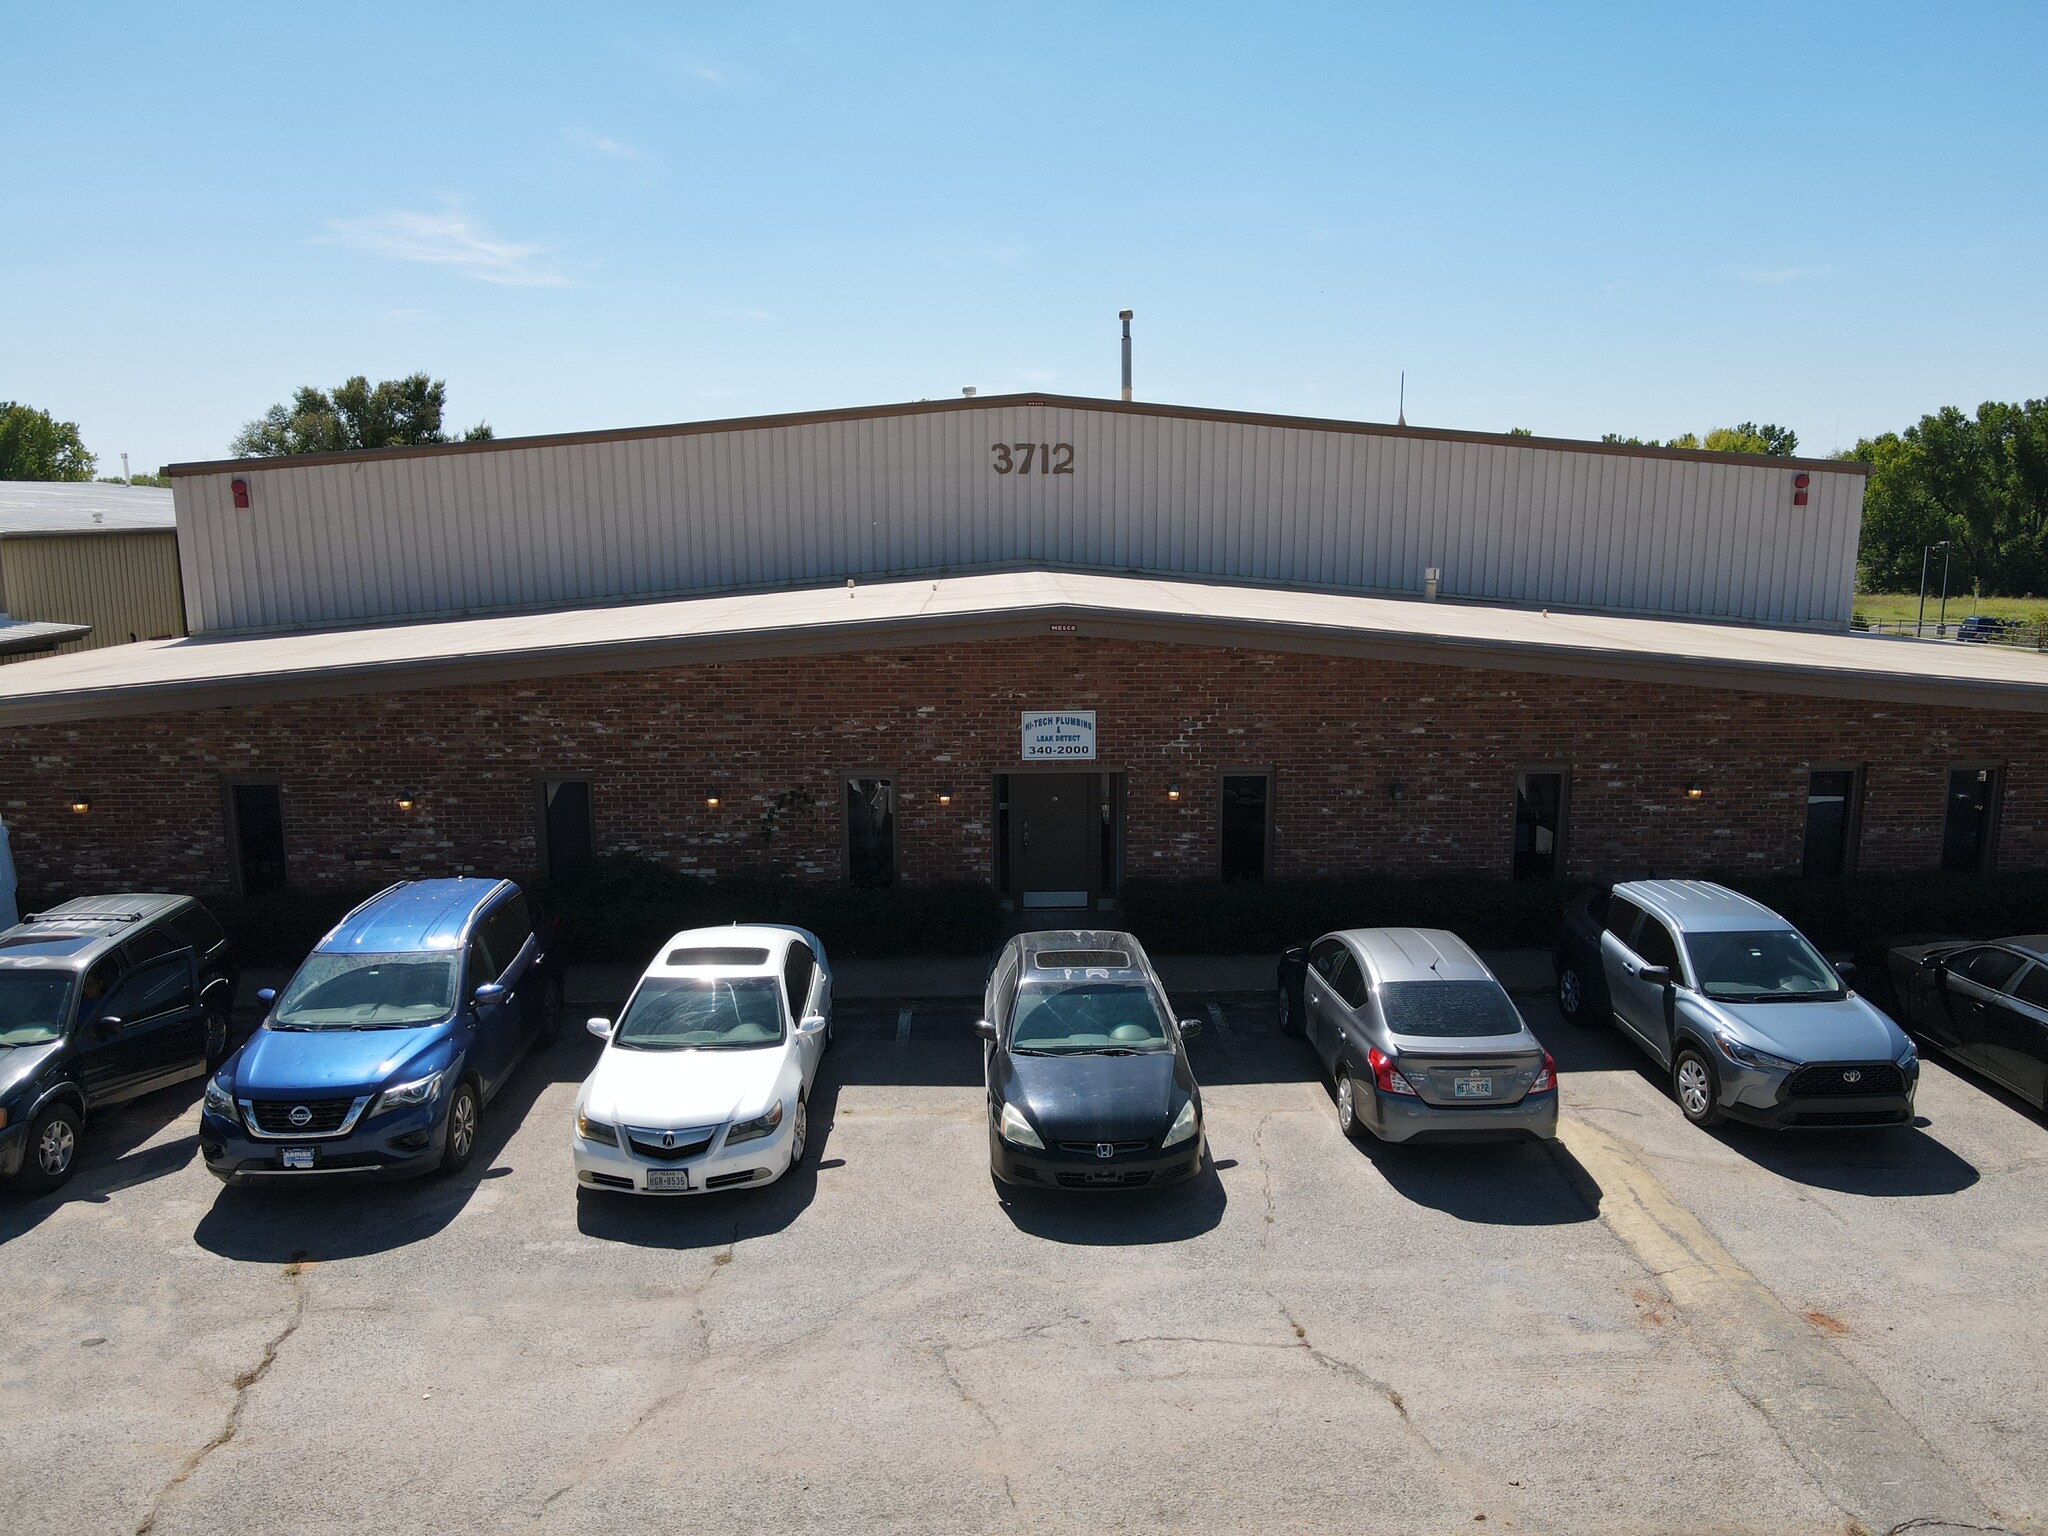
(216, 1036)
(1347, 1104)
(1285, 1008)
(462, 1124)
(1570, 995)
(799, 1133)
(56, 1147)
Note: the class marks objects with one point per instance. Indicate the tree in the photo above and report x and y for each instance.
(397, 413)
(34, 445)
(1981, 482)
(1771, 441)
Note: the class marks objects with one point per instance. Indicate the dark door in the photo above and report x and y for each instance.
(1966, 827)
(565, 822)
(2027, 1034)
(1974, 982)
(157, 1005)
(103, 1065)
(1246, 813)
(1829, 804)
(508, 935)
(1050, 814)
(177, 1024)
(259, 837)
(1539, 826)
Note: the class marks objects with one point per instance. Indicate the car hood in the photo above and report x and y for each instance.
(1850, 1029)
(682, 1088)
(1098, 1098)
(309, 1061)
(19, 1063)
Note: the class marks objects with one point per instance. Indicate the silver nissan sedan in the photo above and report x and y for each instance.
(1421, 1040)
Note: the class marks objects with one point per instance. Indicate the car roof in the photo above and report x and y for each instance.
(1054, 944)
(414, 916)
(79, 931)
(772, 939)
(1416, 954)
(1700, 906)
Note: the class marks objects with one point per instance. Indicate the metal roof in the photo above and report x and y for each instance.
(32, 508)
(19, 635)
(421, 915)
(161, 675)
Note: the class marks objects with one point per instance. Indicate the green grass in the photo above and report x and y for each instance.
(1896, 606)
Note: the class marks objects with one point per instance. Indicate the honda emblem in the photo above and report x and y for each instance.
(1104, 1149)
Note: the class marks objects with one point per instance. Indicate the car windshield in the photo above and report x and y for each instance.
(368, 992)
(1098, 1017)
(1775, 966)
(32, 1006)
(690, 1013)
(1447, 1010)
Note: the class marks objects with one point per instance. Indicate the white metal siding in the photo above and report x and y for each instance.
(867, 497)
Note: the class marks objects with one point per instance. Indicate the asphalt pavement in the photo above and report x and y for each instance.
(1642, 1328)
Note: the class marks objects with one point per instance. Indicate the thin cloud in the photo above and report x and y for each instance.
(448, 239)
(607, 148)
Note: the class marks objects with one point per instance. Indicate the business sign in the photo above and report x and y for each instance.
(1067, 734)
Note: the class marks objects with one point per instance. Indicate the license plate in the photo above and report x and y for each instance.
(297, 1157)
(1472, 1087)
(668, 1178)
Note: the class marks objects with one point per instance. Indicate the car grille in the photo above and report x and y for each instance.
(274, 1116)
(1844, 1080)
(1093, 1148)
(648, 1143)
(1132, 1180)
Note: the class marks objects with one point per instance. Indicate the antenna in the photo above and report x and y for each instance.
(1401, 413)
(1125, 316)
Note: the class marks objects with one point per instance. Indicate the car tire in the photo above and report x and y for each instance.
(219, 1035)
(1347, 1104)
(465, 1124)
(1288, 1012)
(51, 1151)
(799, 1131)
(1580, 998)
(1696, 1086)
(551, 1009)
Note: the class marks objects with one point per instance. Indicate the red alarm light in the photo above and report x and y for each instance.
(1799, 498)
(1801, 481)
(241, 490)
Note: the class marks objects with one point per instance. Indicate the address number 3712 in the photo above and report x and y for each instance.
(1017, 458)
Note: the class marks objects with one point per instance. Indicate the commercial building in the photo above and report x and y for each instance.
(88, 564)
(1049, 644)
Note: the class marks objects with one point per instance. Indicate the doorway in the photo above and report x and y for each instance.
(1057, 838)
(256, 833)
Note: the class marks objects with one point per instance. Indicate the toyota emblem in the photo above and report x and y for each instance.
(668, 1138)
(1104, 1149)
(300, 1115)
(1852, 1076)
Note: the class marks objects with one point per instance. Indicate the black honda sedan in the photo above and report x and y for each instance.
(1088, 1079)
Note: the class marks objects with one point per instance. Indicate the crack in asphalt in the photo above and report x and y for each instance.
(243, 1384)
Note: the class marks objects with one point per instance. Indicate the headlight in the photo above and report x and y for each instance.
(220, 1099)
(421, 1090)
(596, 1130)
(1908, 1058)
(756, 1128)
(1183, 1126)
(1016, 1128)
(1750, 1056)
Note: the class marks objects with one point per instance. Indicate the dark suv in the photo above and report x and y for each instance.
(102, 1000)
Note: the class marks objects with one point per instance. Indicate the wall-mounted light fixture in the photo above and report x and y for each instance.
(1693, 790)
(945, 797)
(1397, 790)
(240, 490)
(712, 801)
(1800, 482)
(405, 801)
(1173, 790)
(80, 805)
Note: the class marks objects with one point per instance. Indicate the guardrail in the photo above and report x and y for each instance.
(2016, 636)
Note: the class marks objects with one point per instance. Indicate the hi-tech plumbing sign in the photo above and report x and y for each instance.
(1066, 734)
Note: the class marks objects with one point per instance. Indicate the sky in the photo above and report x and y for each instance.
(1646, 219)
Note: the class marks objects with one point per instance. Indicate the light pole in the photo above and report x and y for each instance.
(1920, 624)
(1941, 622)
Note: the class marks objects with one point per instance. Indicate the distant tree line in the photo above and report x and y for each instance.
(398, 413)
(1772, 441)
(34, 445)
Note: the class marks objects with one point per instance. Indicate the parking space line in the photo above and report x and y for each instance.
(1216, 1018)
(903, 1029)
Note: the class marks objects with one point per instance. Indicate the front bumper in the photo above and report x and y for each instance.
(1056, 1168)
(1398, 1117)
(402, 1144)
(1756, 1096)
(751, 1163)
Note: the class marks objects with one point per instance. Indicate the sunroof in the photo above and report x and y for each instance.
(717, 957)
(1083, 960)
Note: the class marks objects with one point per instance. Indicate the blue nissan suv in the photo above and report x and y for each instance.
(378, 1057)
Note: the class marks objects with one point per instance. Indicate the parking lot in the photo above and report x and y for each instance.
(1642, 1328)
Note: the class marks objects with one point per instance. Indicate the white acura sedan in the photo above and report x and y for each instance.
(705, 1079)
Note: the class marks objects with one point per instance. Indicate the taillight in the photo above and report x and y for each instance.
(1546, 1076)
(1385, 1074)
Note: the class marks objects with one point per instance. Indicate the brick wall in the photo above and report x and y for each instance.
(1337, 732)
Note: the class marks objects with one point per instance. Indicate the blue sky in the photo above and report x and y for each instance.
(1639, 218)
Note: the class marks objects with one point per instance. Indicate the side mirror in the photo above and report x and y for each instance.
(1845, 969)
(266, 995)
(1189, 1028)
(602, 1028)
(811, 1024)
(106, 1026)
(487, 994)
(1298, 955)
(1655, 975)
(985, 1028)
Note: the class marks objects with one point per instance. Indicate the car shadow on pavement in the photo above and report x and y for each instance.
(109, 1159)
(1890, 1161)
(723, 1217)
(273, 1224)
(1117, 1218)
(1491, 1183)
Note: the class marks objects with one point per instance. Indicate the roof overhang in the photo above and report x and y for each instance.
(160, 676)
(24, 638)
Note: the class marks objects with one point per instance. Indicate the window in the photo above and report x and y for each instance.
(871, 833)
(1830, 850)
(160, 987)
(1349, 980)
(198, 927)
(568, 838)
(1539, 826)
(1966, 829)
(1776, 965)
(796, 978)
(2033, 988)
(677, 1013)
(1247, 807)
(1655, 944)
(99, 981)
(1065, 1020)
(354, 991)
(150, 944)
(1448, 1009)
(1324, 958)
(256, 827)
(1621, 917)
(505, 932)
(1989, 968)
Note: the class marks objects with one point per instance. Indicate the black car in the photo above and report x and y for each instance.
(102, 1000)
(1985, 1004)
(1088, 1080)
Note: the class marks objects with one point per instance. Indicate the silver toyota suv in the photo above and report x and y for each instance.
(1728, 996)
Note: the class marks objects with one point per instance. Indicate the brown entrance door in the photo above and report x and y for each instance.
(1051, 821)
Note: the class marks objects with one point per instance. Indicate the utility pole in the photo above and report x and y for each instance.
(1941, 623)
(1920, 624)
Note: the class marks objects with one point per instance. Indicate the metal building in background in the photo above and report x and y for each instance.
(1014, 482)
(90, 555)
